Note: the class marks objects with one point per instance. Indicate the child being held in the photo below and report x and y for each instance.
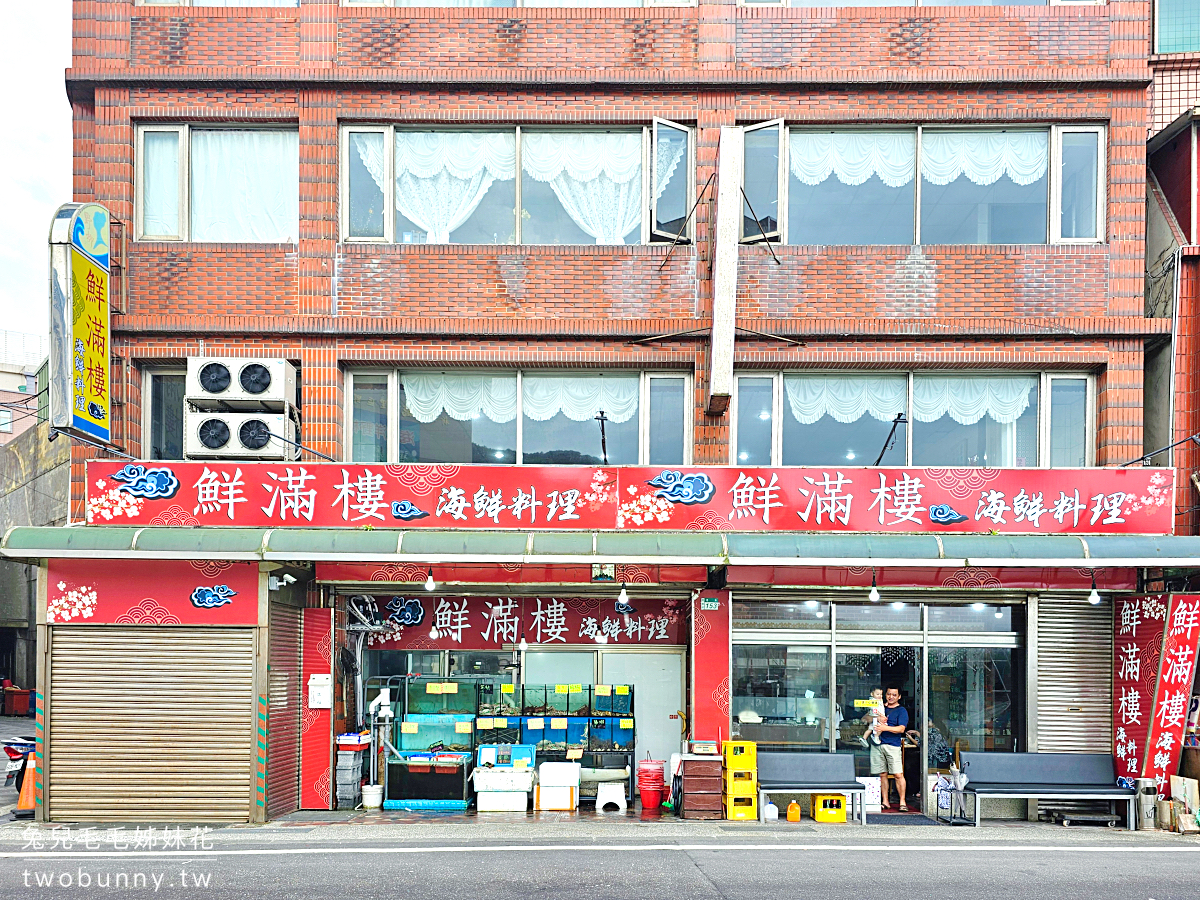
(877, 717)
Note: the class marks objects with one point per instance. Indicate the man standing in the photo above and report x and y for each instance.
(887, 758)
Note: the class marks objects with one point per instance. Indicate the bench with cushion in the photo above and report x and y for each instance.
(1044, 776)
(810, 773)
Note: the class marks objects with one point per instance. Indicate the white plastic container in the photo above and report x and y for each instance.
(770, 812)
(503, 780)
(501, 801)
(559, 774)
(372, 796)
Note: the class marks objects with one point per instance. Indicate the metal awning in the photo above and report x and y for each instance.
(582, 548)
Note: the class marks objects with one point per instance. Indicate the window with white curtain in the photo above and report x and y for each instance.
(224, 185)
(440, 186)
(516, 3)
(530, 417)
(839, 3)
(974, 186)
(920, 419)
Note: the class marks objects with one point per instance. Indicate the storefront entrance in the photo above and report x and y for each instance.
(657, 680)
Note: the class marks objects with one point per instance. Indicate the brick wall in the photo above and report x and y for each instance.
(328, 305)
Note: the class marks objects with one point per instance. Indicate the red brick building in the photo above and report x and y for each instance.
(700, 235)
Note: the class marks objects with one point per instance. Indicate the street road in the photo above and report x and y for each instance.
(915, 865)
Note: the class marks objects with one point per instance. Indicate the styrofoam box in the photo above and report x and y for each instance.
(503, 780)
(871, 795)
(559, 774)
(555, 797)
(501, 801)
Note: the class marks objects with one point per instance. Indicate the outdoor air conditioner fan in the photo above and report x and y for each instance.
(214, 378)
(255, 378)
(214, 433)
(254, 433)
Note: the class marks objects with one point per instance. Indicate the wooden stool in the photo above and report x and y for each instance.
(610, 792)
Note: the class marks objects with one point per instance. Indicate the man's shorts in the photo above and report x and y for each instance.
(886, 757)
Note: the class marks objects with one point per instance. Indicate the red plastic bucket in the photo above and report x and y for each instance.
(651, 797)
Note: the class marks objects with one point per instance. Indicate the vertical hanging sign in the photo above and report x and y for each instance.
(80, 392)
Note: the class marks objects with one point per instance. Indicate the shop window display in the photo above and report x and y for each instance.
(781, 696)
(972, 701)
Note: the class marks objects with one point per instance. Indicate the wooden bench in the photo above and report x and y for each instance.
(1044, 776)
(810, 773)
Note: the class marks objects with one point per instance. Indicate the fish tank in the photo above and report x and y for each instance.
(437, 696)
(612, 699)
(612, 733)
(436, 732)
(499, 699)
(557, 700)
(550, 733)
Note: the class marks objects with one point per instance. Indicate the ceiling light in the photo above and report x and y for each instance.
(850, 454)
(764, 415)
(978, 607)
(999, 614)
(1094, 596)
(811, 604)
(524, 645)
(499, 454)
(430, 584)
(623, 597)
(873, 595)
(896, 604)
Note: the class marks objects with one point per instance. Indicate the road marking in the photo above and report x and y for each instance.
(602, 848)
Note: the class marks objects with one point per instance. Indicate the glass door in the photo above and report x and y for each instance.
(860, 672)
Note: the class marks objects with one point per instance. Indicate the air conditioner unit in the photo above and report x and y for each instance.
(267, 385)
(210, 434)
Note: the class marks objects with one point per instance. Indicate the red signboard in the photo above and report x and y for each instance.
(1154, 662)
(1015, 501)
(151, 592)
(482, 623)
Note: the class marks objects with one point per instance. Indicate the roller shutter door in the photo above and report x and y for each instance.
(1074, 676)
(150, 724)
(283, 722)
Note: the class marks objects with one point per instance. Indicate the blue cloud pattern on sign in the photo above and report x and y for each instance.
(153, 484)
(679, 488)
(944, 514)
(212, 597)
(406, 612)
(404, 509)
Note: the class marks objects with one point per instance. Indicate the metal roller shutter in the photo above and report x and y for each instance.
(150, 724)
(1074, 676)
(283, 723)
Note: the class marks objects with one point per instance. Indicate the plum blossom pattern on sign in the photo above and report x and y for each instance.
(112, 504)
(76, 603)
(603, 489)
(643, 509)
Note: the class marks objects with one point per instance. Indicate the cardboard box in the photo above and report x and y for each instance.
(555, 797)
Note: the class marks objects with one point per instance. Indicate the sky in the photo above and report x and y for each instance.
(35, 162)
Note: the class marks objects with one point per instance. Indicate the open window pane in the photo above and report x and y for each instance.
(1178, 26)
(667, 398)
(245, 186)
(166, 417)
(367, 178)
(671, 174)
(560, 424)
(1080, 181)
(852, 187)
(975, 420)
(160, 183)
(581, 187)
(781, 696)
(458, 417)
(370, 415)
(754, 414)
(983, 187)
(1068, 422)
(843, 419)
(760, 207)
(455, 187)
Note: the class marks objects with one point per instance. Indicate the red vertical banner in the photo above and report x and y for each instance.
(1139, 625)
(1174, 691)
(316, 725)
(712, 623)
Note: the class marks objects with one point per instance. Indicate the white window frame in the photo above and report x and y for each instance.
(148, 374)
(182, 135)
(1057, 183)
(393, 410)
(648, 205)
(852, 5)
(243, 3)
(6, 421)
(1043, 424)
(1054, 133)
(184, 130)
(780, 235)
(522, 3)
(690, 193)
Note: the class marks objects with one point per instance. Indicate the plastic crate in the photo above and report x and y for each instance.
(422, 732)
(740, 783)
(740, 755)
(612, 733)
(740, 808)
(503, 756)
(612, 699)
(829, 808)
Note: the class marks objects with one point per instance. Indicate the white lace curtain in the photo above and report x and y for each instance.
(965, 398)
(671, 146)
(579, 397)
(854, 156)
(984, 156)
(596, 176)
(968, 398)
(461, 396)
(245, 186)
(441, 176)
(845, 398)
